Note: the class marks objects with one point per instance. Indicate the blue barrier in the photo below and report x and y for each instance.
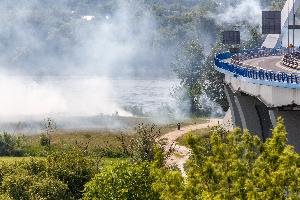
(268, 77)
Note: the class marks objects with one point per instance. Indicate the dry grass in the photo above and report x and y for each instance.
(94, 138)
(102, 137)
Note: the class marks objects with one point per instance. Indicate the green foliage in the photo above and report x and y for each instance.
(222, 166)
(235, 165)
(24, 186)
(276, 171)
(146, 144)
(72, 168)
(169, 185)
(212, 80)
(48, 188)
(123, 181)
(188, 67)
(239, 165)
(61, 175)
(45, 140)
(10, 145)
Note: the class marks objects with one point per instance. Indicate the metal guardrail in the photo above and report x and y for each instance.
(259, 76)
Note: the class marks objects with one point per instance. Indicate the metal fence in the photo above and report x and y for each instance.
(263, 76)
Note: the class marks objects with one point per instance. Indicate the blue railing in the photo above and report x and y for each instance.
(260, 76)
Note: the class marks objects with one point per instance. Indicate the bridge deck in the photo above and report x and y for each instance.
(270, 63)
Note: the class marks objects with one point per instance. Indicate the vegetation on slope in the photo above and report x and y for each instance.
(223, 165)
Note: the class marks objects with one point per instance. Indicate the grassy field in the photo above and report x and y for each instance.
(97, 142)
(102, 138)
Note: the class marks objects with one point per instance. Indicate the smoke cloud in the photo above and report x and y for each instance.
(242, 11)
(59, 61)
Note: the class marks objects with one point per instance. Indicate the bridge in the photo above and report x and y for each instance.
(263, 84)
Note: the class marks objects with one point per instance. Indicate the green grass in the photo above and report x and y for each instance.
(104, 161)
(198, 133)
(109, 161)
(17, 159)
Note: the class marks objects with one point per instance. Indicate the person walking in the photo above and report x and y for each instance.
(178, 126)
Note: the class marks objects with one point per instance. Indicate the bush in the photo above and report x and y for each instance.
(146, 143)
(48, 188)
(123, 181)
(10, 145)
(44, 140)
(71, 167)
(61, 175)
(24, 186)
(17, 185)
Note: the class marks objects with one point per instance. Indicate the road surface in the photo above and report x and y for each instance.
(272, 63)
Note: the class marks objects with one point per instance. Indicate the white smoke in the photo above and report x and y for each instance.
(207, 105)
(106, 45)
(244, 11)
(23, 97)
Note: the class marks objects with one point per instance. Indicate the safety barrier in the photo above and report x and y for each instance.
(261, 76)
(247, 54)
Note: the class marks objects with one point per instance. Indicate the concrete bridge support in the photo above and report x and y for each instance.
(292, 124)
(236, 119)
(249, 113)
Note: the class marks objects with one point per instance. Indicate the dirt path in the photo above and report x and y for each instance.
(181, 154)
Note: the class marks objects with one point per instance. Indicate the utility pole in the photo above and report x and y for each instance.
(288, 23)
(294, 23)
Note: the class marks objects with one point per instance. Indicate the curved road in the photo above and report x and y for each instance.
(270, 63)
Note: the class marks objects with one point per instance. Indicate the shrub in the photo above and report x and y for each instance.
(123, 181)
(146, 143)
(48, 188)
(44, 140)
(17, 185)
(71, 167)
(23, 186)
(10, 145)
(61, 175)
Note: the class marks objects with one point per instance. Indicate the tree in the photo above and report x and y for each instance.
(275, 173)
(189, 66)
(239, 165)
(212, 80)
(147, 145)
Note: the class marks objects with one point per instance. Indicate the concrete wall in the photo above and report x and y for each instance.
(271, 96)
(292, 125)
(249, 113)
